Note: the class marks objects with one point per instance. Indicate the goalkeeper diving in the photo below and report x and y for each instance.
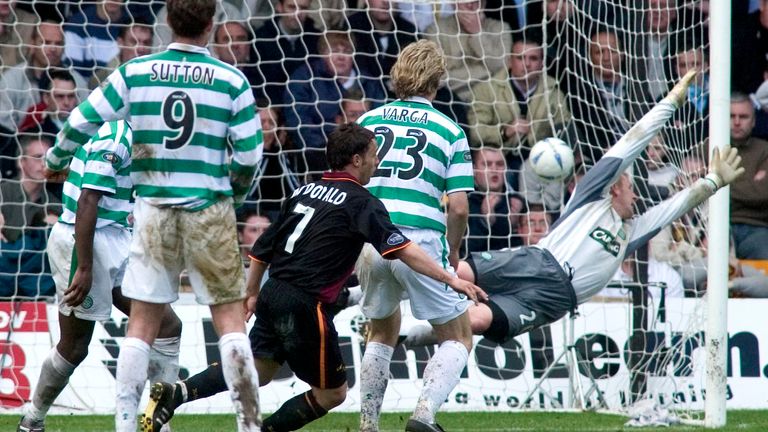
(536, 285)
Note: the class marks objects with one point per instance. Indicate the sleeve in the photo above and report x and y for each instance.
(373, 223)
(459, 176)
(106, 156)
(247, 141)
(657, 217)
(106, 103)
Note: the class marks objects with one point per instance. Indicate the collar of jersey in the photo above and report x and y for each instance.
(189, 48)
(339, 175)
(417, 99)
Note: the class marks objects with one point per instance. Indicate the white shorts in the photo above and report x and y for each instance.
(110, 255)
(386, 282)
(168, 240)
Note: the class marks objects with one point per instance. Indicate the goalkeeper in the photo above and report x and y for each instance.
(536, 285)
(88, 251)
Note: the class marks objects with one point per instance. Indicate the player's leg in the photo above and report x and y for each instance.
(381, 304)
(57, 368)
(307, 407)
(151, 282)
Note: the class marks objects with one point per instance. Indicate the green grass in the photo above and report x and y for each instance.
(453, 422)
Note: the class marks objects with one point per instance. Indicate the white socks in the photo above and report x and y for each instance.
(131, 377)
(54, 376)
(374, 377)
(164, 360)
(242, 380)
(440, 377)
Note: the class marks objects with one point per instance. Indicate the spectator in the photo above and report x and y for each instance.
(19, 85)
(379, 33)
(353, 105)
(59, 98)
(493, 209)
(661, 174)
(277, 179)
(232, 45)
(518, 14)
(749, 46)
(250, 226)
(560, 36)
(598, 96)
(15, 29)
(282, 45)
(90, 35)
(749, 194)
(534, 224)
(475, 46)
(314, 94)
(134, 40)
(655, 46)
(28, 210)
(692, 117)
(519, 105)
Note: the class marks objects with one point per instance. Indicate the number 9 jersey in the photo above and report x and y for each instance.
(423, 155)
(314, 244)
(186, 109)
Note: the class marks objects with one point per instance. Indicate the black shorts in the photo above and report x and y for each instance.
(527, 288)
(294, 327)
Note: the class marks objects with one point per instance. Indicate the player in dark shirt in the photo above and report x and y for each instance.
(311, 250)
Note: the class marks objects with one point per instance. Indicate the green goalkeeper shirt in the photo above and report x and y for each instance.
(186, 110)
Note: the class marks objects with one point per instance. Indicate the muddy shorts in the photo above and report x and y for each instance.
(168, 240)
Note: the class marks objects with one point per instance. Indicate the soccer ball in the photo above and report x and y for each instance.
(551, 159)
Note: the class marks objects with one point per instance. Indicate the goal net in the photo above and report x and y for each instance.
(581, 71)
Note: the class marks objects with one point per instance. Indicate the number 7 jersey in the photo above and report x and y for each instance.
(422, 156)
(186, 109)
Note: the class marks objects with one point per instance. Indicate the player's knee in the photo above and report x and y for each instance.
(171, 326)
(330, 398)
(74, 352)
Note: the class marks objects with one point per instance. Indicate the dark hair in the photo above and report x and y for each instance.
(189, 18)
(25, 139)
(244, 214)
(347, 140)
(46, 80)
(137, 22)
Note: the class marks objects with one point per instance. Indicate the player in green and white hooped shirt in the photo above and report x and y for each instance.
(88, 251)
(187, 110)
(424, 155)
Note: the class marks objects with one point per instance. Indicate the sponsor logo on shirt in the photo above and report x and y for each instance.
(605, 238)
(111, 158)
(395, 239)
(467, 156)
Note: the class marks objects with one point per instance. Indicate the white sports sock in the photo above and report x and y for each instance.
(373, 383)
(420, 335)
(440, 377)
(54, 376)
(131, 376)
(164, 360)
(242, 380)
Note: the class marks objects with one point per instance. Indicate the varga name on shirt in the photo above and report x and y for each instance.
(321, 192)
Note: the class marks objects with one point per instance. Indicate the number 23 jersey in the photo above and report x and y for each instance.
(320, 232)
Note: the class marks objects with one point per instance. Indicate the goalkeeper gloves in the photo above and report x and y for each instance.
(680, 92)
(725, 166)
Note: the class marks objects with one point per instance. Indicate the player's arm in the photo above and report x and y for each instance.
(253, 286)
(418, 260)
(247, 143)
(458, 215)
(85, 227)
(722, 172)
(104, 104)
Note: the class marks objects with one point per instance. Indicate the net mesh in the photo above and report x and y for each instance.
(600, 67)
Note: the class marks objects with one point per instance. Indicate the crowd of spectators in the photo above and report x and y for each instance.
(518, 71)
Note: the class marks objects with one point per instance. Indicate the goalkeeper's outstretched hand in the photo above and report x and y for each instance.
(725, 166)
(680, 92)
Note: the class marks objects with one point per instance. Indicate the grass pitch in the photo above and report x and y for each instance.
(453, 422)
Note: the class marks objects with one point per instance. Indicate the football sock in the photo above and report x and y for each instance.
(440, 377)
(131, 376)
(373, 383)
(164, 360)
(295, 413)
(54, 376)
(202, 385)
(241, 378)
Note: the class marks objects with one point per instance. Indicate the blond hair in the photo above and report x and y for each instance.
(418, 70)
